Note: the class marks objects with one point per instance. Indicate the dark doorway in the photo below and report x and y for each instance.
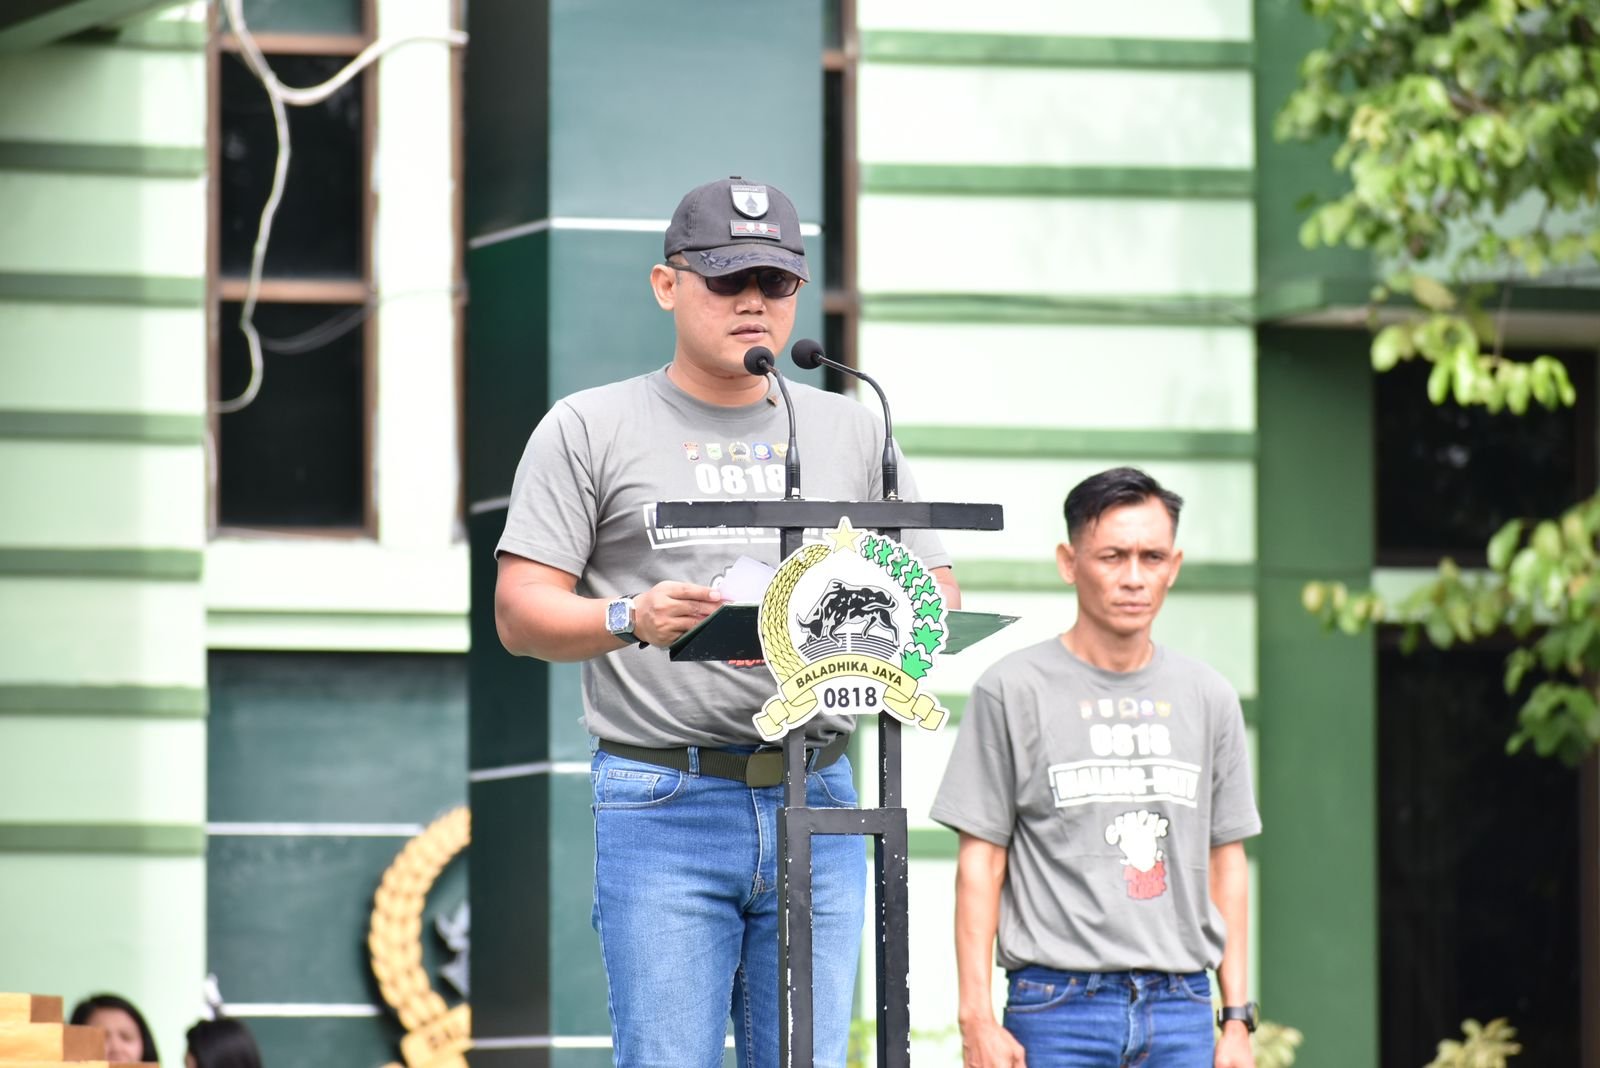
(1478, 864)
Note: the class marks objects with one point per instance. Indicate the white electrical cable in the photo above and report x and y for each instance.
(279, 95)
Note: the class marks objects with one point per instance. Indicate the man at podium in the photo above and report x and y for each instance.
(685, 796)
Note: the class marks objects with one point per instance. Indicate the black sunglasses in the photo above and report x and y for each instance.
(774, 281)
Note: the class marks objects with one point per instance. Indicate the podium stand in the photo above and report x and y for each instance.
(797, 823)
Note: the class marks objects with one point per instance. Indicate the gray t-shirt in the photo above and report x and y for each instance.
(1109, 791)
(584, 501)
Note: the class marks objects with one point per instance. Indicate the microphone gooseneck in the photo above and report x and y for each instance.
(760, 361)
(808, 354)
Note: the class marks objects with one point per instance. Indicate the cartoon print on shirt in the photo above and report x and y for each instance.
(1144, 862)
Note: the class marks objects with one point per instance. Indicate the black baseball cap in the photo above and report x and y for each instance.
(733, 224)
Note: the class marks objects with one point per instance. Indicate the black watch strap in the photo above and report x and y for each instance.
(627, 636)
(1248, 1014)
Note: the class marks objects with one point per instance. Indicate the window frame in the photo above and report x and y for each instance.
(347, 291)
(841, 300)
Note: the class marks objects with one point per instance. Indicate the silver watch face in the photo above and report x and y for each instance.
(617, 613)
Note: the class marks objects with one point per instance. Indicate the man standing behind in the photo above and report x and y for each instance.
(685, 805)
(1101, 788)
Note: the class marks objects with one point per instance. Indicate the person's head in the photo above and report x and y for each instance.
(128, 1038)
(221, 1043)
(732, 265)
(1120, 552)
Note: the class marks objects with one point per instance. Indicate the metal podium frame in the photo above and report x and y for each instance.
(797, 823)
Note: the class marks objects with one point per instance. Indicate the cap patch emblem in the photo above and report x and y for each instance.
(749, 200)
(743, 228)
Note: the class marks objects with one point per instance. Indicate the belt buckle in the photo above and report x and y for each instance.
(764, 768)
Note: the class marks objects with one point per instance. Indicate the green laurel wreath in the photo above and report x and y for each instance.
(928, 634)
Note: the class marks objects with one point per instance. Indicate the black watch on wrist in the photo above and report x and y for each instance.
(619, 619)
(1248, 1014)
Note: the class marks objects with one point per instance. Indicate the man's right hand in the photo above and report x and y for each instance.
(989, 1045)
(669, 610)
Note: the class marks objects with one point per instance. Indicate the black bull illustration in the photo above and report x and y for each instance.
(850, 609)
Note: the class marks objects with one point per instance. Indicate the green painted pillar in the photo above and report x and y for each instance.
(1291, 277)
(585, 124)
(103, 695)
(1318, 701)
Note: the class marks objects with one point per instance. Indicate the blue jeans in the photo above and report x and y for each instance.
(686, 906)
(1111, 1019)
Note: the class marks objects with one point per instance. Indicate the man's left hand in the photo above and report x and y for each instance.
(1233, 1047)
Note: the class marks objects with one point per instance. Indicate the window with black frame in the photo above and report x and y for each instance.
(1448, 477)
(296, 456)
(1478, 849)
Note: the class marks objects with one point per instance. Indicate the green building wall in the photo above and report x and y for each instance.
(102, 474)
(1071, 221)
(1057, 262)
(585, 124)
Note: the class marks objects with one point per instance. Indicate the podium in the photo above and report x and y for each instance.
(734, 640)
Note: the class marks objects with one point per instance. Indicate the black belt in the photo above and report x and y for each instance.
(763, 768)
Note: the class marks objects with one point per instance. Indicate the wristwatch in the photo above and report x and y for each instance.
(619, 619)
(1248, 1014)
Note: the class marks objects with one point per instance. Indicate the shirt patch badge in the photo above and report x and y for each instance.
(761, 451)
(749, 200)
(713, 450)
(781, 448)
(691, 451)
(1144, 862)
(738, 451)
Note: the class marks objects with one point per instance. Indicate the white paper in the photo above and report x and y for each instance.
(745, 581)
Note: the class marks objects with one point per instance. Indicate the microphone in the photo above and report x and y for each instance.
(760, 361)
(808, 355)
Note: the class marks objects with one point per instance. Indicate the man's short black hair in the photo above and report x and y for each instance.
(1116, 488)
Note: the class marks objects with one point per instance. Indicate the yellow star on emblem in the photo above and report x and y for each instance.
(844, 536)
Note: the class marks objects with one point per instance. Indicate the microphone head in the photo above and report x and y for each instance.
(758, 360)
(806, 353)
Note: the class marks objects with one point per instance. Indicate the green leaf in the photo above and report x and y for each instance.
(1578, 639)
(1312, 597)
(1503, 544)
(1440, 633)
(1392, 345)
(1546, 540)
(1518, 393)
(928, 636)
(1439, 382)
(1431, 293)
(1517, 666)
(913, 663)
(1480, 131)
(1466, 377)
(1544, 387)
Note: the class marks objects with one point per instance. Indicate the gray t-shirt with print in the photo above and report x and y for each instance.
(584, 501)
(1108, 790)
